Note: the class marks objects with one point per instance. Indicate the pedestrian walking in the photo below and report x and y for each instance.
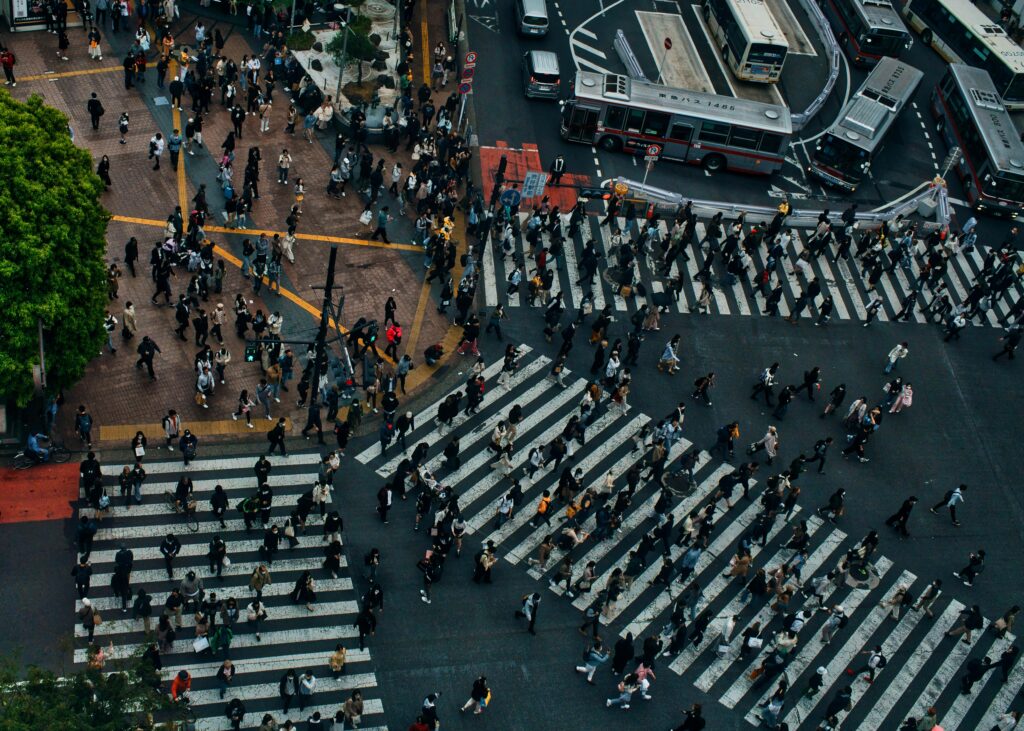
(531, 603)
(951, 500)
(479, 697)
(975, 565)
(928, 597)
(898, 520)
(898, 353)
(970, 620)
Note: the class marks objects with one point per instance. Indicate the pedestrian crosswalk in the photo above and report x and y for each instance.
(843, 279)
(924, 665)
(291, 638)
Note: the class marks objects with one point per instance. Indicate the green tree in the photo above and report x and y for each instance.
(359, 47)
(112, 699)
(52, 230)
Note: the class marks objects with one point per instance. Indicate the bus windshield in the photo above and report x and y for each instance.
(884, 43)
(766, 53)
(1004, 185)
(841, 156)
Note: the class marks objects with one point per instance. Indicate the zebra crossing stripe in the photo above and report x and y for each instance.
(371, 707)
(897, 636)
(1001, 703)
(239, 567)
(427, 414)
(183, 646)
(948, 669)
(639, 516)
(572, 270)
(229, 463)
(803, 659)
(482, 486)
(265, 664)
(588, 234)
(188, 550)
(722, 543)
(617, 300)
(530, 543)
(112, 603)
(274, 613)
(543, 415)
(521, 518)
(262, 691)
(909, 671)
(485, 425)
(719, 666)
(955, 715)
(618, 469)
(278, 514)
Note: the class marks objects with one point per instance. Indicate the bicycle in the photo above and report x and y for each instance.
(59, 454)
(191, 519)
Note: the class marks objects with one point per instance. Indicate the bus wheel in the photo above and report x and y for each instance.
(611, 144)
(926, 36)
(713, 163)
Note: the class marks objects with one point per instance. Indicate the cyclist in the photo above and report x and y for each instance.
(183, 493)
(34, 450)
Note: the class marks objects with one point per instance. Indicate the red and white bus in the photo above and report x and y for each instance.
(971, 115)
(715, 132)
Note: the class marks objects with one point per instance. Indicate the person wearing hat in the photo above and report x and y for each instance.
(817, 682)
(89, 616)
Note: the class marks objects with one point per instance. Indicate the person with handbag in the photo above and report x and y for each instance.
(256, 613)
(478, 697)
(218, 555)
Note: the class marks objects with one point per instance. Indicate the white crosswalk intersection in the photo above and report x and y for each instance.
(923, 669)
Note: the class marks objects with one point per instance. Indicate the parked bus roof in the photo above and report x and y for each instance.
(880, 14)
(760, 24)
(615, 88)
(871, 111)
(1001, 138)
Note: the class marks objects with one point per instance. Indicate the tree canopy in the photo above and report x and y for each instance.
(114, 699)
(52, 229)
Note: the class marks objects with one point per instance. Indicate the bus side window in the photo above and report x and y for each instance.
(770, 142)
(635, 121)
(615, 118)
(681, 132)
(656, 124)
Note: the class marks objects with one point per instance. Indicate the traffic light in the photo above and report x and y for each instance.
(371, 331)
(251, 351)
(596, 193)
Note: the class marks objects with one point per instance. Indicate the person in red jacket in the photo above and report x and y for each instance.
(394, 336)
(7, 60)
(419, 725)
(181, 684)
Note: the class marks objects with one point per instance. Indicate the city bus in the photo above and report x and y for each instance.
(961, 33)
(867, 30)
(752, 44)
(842, 156)
(716, 132)
(970, 115)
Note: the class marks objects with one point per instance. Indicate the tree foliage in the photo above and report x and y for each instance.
(52, 230)
(359, 46)
(91, 700)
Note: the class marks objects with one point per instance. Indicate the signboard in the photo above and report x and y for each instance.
(621, 189)
(511, 198)
(668, 44)
(468, 72)
(652, 153)
(29, 12)
(533, 184)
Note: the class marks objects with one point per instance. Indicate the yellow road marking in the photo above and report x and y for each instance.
(269, 232)
(425, 40)
(69, 74)
(213, 427)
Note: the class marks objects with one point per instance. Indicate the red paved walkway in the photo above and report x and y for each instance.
(45, 492)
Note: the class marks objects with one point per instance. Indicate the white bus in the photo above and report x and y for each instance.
(961, 33)
(715, 132)
(842, 156)
(751, 42)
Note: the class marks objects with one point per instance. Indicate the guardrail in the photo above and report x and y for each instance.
(628, 58)
(929, 193)
(828, 38)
